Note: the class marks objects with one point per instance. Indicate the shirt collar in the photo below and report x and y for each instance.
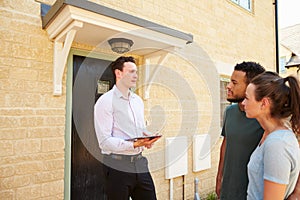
(120, 95)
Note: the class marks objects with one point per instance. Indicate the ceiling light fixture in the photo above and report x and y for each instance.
(120, 45)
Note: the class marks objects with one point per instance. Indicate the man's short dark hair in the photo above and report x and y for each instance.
(118, 64)
(251, 69)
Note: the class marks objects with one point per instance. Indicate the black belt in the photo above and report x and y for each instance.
(130, 158)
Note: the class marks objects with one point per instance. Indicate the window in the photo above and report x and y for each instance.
(282, 63)
(223, 98)
(247, 4)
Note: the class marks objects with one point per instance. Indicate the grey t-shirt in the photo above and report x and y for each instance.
(276, 160)
(242, 137)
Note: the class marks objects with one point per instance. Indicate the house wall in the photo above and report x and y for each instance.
(286, 54)
(33, 121)
(227, 32)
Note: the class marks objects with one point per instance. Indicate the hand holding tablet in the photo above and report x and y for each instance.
(150, 137)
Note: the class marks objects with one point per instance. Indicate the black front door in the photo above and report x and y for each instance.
(86, 168)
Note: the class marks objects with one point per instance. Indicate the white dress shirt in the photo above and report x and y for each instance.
(117, 118)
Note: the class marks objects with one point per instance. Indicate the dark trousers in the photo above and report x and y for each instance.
(128, 178)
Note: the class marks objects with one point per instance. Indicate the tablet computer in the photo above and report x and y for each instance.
(150, 137)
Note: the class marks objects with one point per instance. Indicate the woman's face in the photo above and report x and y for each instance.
(251, 106)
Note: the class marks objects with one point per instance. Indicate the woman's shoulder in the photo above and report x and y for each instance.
(284, 137)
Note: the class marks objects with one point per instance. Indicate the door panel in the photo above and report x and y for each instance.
(86, 167)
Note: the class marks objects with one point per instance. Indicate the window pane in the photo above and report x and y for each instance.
(246, 4)
(223, 99)
(282, 64)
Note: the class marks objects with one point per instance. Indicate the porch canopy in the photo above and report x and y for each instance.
(89, 23)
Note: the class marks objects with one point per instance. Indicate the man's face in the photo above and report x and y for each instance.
(237, 87)
(127, 77)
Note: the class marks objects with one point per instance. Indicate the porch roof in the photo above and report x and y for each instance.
(89, 23)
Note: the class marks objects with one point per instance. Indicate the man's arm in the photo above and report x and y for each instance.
(296, 193)
(220, 168)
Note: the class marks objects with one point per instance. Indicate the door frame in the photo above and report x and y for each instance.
(68, 122)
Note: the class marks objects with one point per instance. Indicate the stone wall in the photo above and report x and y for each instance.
(32, 121)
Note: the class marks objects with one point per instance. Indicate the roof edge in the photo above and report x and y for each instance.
(109, 12)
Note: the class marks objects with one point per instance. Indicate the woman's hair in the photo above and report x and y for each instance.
(284, 94)
(118, 64)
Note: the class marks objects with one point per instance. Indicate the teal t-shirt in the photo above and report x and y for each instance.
(242, 137)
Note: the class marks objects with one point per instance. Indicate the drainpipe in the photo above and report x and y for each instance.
(276, 35)
(196, 196)
(171, 189)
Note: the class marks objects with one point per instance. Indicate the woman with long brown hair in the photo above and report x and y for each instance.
(274, 166)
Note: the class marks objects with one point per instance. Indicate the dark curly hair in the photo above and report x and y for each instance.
(251, 69)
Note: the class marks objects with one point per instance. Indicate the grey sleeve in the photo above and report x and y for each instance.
(277, 162)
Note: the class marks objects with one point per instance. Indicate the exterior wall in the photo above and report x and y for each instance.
(227, 32)
(186, 109)
(33, 121)
(288, 46)
(286, 53)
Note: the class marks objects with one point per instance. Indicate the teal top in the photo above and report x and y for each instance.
(242, 137)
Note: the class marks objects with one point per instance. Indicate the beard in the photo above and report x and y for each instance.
(236, 100)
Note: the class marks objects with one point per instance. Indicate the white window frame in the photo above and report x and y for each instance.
(246, 4)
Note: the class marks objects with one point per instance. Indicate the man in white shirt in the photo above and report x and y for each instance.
(119, 117)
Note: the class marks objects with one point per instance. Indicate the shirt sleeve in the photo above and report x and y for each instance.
(103, 122)
(277, 162)
(223, 133)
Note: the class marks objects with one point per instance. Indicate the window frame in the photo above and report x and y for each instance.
(223, 98)
(242, 2)
(282, 63)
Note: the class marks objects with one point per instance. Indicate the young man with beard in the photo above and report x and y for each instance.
(240, 136)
